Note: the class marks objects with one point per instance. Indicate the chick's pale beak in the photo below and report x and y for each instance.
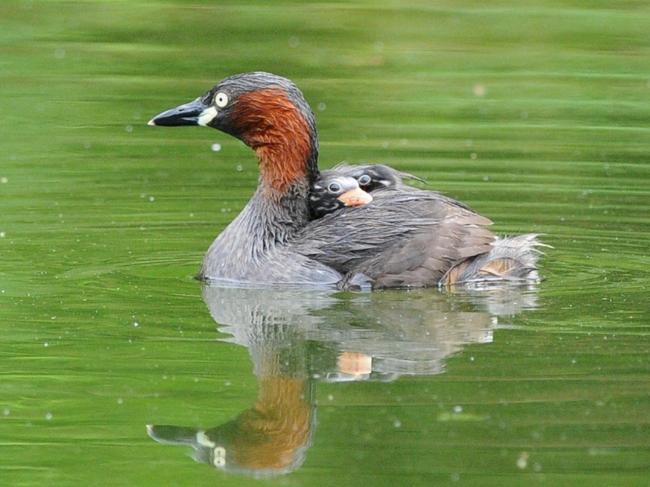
(355, 197)
(192, 113)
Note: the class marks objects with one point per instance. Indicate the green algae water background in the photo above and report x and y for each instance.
(536, 113)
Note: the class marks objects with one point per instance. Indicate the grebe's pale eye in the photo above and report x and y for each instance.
(364, 180)
(334, 188)
(221, 99)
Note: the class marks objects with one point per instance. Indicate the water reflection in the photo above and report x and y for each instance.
(298, 338)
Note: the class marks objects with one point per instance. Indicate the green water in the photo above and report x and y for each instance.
(534, 113)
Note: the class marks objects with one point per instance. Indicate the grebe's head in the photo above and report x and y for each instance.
(267, 112)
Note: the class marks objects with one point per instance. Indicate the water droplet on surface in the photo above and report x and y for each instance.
(330, 397)
(136, 324)
(4, 180)
(458, 409)
(120, 400)
(46, 344)
(522, 461)
(479, 89)
(473, 156)
(321, 107)
(397, 423)
(49, 416)
(129, 128)
(294, 42)
(6, 411)
(216, 147)
(239, 168)
(152, 199)
(3, 234)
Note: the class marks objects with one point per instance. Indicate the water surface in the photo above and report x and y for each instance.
(534, 113)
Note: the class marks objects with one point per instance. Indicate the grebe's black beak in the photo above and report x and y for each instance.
(192, 113)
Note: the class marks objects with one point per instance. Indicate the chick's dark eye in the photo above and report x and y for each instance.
(334, 187)
(364, 179)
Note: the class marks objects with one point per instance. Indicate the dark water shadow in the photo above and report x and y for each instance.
(298, 338)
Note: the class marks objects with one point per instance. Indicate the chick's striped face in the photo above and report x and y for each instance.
(332, 192)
